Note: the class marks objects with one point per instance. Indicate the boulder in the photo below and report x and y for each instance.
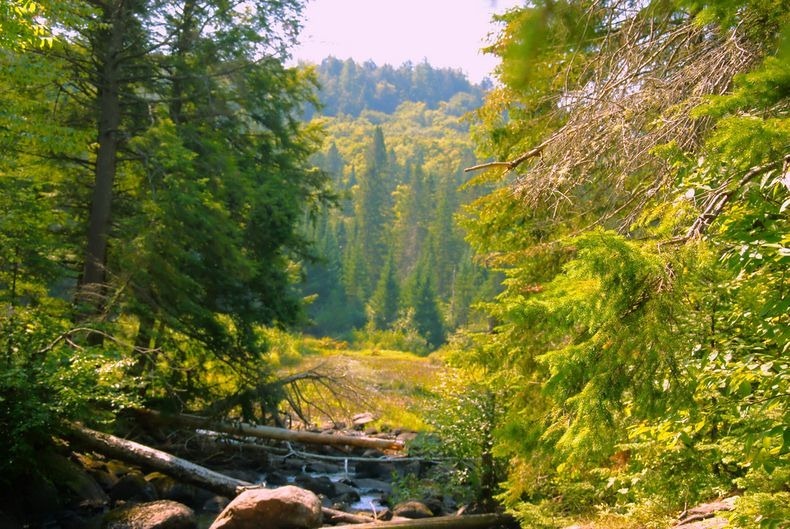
(373, 469)
(76, 487)
(345, 494)
(412, 509)
(283, 508)
(370, 485)
(319, 485)
(133, 488)
(215, 504)
(162, 514)
(168, 488)
(276, 479)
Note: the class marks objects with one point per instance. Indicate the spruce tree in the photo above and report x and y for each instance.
(382, 309)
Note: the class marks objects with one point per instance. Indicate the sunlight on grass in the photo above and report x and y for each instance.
(392, 385)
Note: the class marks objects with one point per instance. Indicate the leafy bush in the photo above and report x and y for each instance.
(46, 379)
(761, 511)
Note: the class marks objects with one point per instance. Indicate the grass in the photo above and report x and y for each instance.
(392, 385)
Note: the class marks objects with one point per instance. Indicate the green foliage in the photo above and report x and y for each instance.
(350, 88)
(47, 380)
(761, 511)
(643, 326)
(398, 201)
(172, 138)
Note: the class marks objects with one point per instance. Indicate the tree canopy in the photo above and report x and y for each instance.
(640, 217)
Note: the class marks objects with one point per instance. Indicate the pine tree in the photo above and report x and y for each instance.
(421, 297)
(372, 205)
(382, 309)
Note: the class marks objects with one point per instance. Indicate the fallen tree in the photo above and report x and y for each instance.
(178, 468)
(138, 454)
(270, 432)
(472, 521)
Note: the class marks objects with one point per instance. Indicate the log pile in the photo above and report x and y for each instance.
(188, 472)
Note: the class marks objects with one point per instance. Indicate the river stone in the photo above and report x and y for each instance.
(168, 488)
(373, 469)
(319, 485)
(75, 486)
(371, 485)
(133, 488)
(345, 493)
(162, 514)
(283, 508)
(412, 509)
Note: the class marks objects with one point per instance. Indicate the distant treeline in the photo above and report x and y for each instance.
(347, 87)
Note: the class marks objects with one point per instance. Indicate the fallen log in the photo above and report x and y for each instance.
(332, 516)
(270, 432)
(472, 521)
(145, 456)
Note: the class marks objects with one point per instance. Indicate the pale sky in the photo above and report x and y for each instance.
(448, 33)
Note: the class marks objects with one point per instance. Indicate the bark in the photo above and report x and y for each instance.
(92, 285)
(148, 457)
(332, 516)
(474, 521)
(270, 432)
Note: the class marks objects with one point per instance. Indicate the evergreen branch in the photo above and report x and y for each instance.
(718, 202)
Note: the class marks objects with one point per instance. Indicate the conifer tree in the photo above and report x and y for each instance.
(421, 297)
(372, 207)
(382, 309)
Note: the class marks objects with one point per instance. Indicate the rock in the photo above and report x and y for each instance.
(345, 494)
(134, 488)
(361, 419)
(371, 485)
(73, 520)
(105, 480)
(319, 485)
(435, 505)
(406, 436)
(373, 469)
(76, 487)
(412, 509)
(283, 508)
(168, 488)
(716, 522)
(704, 516)
(276, 479)
(250, 476)
(162, 514)
(215, 504)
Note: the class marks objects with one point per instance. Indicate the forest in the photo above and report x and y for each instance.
(576, 273)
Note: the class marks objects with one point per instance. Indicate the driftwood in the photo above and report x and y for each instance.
(270, 432)
(145, 456)
(472, 521)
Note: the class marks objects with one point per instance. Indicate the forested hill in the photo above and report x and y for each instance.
(347, 87)
(396, 269)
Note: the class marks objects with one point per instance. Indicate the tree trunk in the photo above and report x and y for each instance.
(148, 457)
(92, 288)
(269, 432)
(473, 521)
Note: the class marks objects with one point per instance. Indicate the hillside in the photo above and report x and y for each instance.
(396, 269)
(347, 87)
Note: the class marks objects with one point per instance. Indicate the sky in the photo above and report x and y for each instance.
(448, 33)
